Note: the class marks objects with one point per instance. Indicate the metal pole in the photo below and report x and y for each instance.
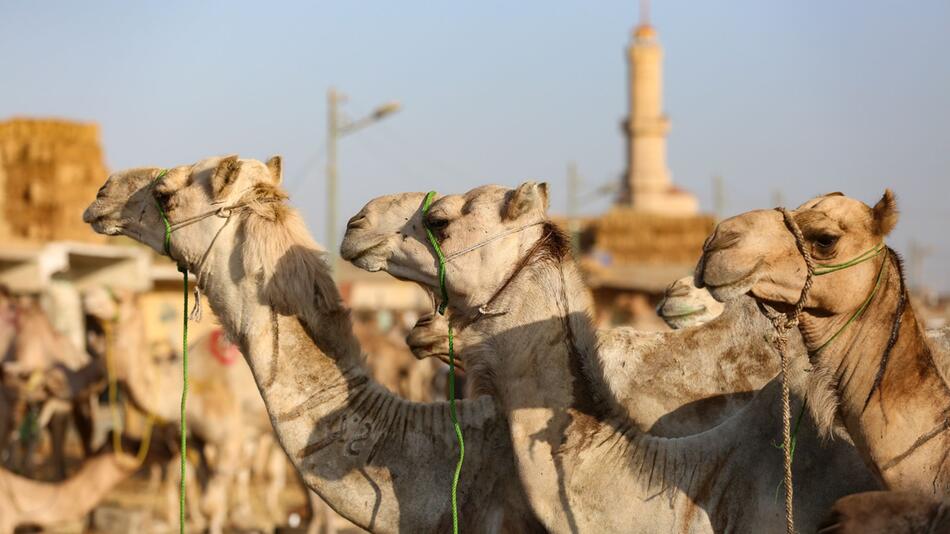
(719, 196)
(332, 134)
(573, 186)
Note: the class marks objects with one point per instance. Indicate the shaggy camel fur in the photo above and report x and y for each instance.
(382, 462)
(859, 327)
(28, 502)
(888, 512)
(522, 298)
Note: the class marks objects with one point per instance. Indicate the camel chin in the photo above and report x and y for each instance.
(369, 263)
(725, 293)
(678, 315)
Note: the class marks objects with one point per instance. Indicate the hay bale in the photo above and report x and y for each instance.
(631, 237)
(50, 171)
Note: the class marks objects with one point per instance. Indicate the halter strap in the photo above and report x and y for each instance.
(225, 212)
(443, 259)
(491, 239)
(824, 268)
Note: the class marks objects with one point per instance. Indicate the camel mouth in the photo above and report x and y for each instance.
(675, 312)
(105, 227)
(370, 258)
(725, 291)
(100, 222)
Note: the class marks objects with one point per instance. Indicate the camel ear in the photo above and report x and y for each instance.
(276, 168)
(224, 175)
(885, 213)
(528, 197)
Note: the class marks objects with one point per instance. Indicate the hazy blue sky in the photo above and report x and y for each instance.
(806, 97)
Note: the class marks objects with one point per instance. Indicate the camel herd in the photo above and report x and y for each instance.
(49, 384)
(567, 428)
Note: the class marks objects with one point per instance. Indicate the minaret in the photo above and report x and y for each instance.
(648, 186)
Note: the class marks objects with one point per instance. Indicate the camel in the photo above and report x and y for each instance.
(29, 502)
(380, 461)
(669, 395)
(522, 305)
(393, 366)
(860, 329)
(888, 512)
(684, 305)
(224, 409)
(41, 367)
(220, 381)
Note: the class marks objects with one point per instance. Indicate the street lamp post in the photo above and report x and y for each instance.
(337, 127)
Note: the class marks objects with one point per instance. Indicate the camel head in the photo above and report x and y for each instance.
(755, 252)
(196, 199)
(686, 305)
(100, 303)
(483, 233)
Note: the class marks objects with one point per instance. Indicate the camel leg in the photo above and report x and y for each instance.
(29, 439)
(320, 520)
(277, 469)
(58, 427)
(215, 501)
(172, 479)
(83, 419)
(242, 512)
(6, 425)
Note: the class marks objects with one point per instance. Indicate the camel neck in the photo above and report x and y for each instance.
(545, 306)
(901, 424)
(344, 433)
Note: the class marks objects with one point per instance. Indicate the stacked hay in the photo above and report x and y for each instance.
(634, 237)
(50, 171)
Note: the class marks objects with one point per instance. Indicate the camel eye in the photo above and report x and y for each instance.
(825, 242)
(163, 198)
(436, 224)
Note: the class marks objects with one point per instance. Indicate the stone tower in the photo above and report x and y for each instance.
(647, 186)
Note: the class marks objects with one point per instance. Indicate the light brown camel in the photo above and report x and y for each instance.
(394, 366)
(522, 305)
(684, 305)
(859, 327)
(382, 462)
(669, 395)
(29, 502)
(888, 512)
(42, 368)
(224, 409)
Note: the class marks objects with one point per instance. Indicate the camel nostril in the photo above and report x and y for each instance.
(721, 241)
(358, 222)
(88, 216)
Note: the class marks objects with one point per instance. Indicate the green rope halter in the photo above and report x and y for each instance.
(184, 360)
(826, 269)
(427, 203)
(822, 269)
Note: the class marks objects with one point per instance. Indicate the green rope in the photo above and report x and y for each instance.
(184, 362)
(864, 305)
(442, 306)
(823, 269)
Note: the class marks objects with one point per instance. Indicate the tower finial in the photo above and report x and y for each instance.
(644, 12)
